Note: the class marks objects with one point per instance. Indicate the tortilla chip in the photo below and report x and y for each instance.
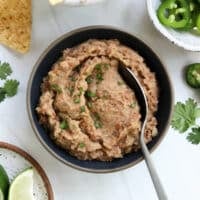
(15, 24)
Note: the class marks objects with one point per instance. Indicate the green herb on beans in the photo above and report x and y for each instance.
(97, 121)
(5, 70)
(71, 90)
(132, 105)
(10, 87)
(97, 124)
(77, 100)
(81, 90)
(81, 145)
(77, 97)
(90, 94)
(56, 88)
(120, 83)
(99, 76)
(184, 119)
(89, 104)
(99, 72)
(64, 125)
(82, 109)
(89, 79)
(98, 67)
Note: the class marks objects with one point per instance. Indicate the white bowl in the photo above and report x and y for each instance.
(76, 2)
(185, 40)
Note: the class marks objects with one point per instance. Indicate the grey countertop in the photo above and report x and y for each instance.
(177, 161)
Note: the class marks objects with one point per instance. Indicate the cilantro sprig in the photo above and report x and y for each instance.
(184, 120)
(5, 70)
(194, 136)
(10, 87)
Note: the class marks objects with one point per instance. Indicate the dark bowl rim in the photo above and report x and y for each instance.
(35, 67)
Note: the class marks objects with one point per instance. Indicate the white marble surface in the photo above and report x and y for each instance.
(177, 161)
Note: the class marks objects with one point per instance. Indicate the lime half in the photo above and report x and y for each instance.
(4, 183)
(22, 186)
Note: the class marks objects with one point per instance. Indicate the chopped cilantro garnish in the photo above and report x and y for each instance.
(97, 121)
(99, 76)
(90, 94)
(77, 100)
(89, 104)
(81, 145)
(120, 82)
(82, 109)
(64, 124)
(98, 67)
(89, 79)
(71, 90)
(80, 91)
(132, 105)
(97, 124)
(56, 88)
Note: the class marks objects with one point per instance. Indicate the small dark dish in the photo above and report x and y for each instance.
(52, 54)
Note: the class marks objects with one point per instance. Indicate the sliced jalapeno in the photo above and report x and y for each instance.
(192, 21)
(193, 75)
(198, 22)
(174, 13)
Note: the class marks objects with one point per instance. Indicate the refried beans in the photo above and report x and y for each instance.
(86, 106)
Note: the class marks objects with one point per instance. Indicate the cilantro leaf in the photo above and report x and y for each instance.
(90, 94)
(64, 124)
(194, 136)
(11, 87)
(2, 94)
(5, 70)
(89, 79)
(56, 88)
(185, 115)
(82, 109)
(81, 145)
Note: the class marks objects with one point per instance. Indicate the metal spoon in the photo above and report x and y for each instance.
(134, 84)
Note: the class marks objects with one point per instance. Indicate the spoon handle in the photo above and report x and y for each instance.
(152, 170)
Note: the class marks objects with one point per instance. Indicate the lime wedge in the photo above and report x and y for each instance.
(22, 186)
(4, 183)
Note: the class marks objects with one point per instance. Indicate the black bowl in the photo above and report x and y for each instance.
(54, 52)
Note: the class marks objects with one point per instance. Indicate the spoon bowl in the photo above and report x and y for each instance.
(132, 81)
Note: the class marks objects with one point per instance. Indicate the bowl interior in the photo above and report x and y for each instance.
(51, 55)
(183, 39)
